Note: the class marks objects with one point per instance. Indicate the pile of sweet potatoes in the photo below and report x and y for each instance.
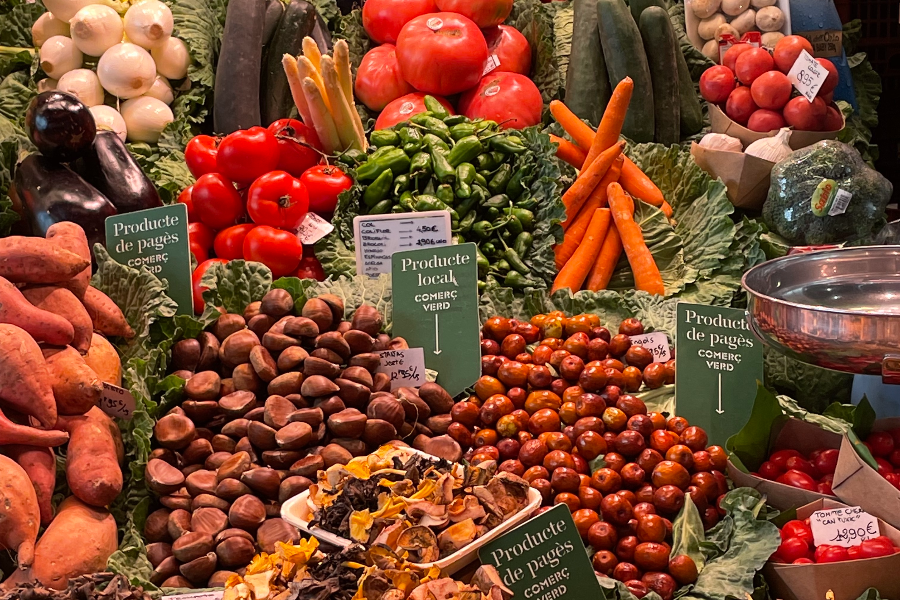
(54, 360)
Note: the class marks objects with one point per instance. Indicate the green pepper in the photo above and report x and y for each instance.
(382, 207)
(515, 261)
(401, 184)
(454, 120)
(480, 180)
(525, 217)
(503, 143)
(465, 176)
(483, 229)
(457, 239)
(378, 189)
(481, 260)
(465, 224)
(486, 162)
(379, 152)
(424, 203)
(498, 201)
(434, 142)
(483, 125)
(443, 171)
(513, 227)
(486, 175)
(465, 150)
(396, 160)
(499, 181)
(489, 249)
(432, 125)
(397, 209)
(436, 108)
(445, 194)
(516, 183)
(503, 265)
(482, 286)
(411, 139)
(420, 164)
(352, 157)
(492, 213)
(428, 190)
(527, 202)
(523, 243)
(458, 132)
(518, 281)
(407, 201)
(384, 137)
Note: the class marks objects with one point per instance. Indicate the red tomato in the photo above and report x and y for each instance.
(826, 461)
(378, 79)
(828, 554)
(788, 49)
(740, 105)
(324, 183)
(882, 443)
(884, 467)
(200, 253)
(196, 276)
(834, 120)
(298, 146)
(229, 243)
(833, 77)
(310, 268)
(716, 84)
(797, 529)
(799, 463)
(405, 107)
(753, 63)
(804, 561)
(793, 548)
(824, 488)
(853, 553)
(383, 19)
(485, 13)
(277, 249)
(876, 547)
(185, 198)
(201, 234)
(508, 98)
(894, 458)
(442, 53)
(511, 49)
(769, 470)
(780, 458)
(803, 115)
(216, 201)
(246, 154)
(798, 479)
(200, 155)
(278, 200)
(732, 53)
(763, 120)
(895, 433)
(771, 90)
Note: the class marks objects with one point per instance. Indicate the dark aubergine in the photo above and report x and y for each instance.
(109, 167)
(60, 125)
(51, 192)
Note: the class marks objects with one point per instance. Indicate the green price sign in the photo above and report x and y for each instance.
(156, 238)
(435, 295)
(718, 363)
(544, 559)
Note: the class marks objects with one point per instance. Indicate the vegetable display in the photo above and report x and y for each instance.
(797, 547)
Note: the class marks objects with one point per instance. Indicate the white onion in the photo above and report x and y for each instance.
(172, 58)
(66, 9)
(59, 55)
(84, 85)
(96, 28)
(126, 70)
(145, 118)
(46, 84)
(161, 90)
(148, 23)
(108, 118)
(46, 27)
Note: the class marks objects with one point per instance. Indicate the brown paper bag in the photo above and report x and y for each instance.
(858, 484)
(747, 177)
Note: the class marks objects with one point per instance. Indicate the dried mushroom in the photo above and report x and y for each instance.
(421, 543)
(457, 536)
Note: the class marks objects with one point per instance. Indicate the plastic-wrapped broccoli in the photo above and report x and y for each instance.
(823, 194)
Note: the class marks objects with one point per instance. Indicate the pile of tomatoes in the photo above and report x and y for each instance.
(254, 188)
(444, 48)
(814, 473)
(797, 547)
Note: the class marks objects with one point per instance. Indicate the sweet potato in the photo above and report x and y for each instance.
(107, 317)
(92, 457)
(25, 383)
(104, 360)
(44, 326)
(14, 433)
(36, 260)
(76, 386)
(40, 466)
(70, 236)
(62, 302)
(20, 517)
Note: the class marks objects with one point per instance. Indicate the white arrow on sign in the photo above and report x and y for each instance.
(437, 338)
(719, 410)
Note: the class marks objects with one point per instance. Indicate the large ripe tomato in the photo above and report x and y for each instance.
(442, 53)
(324, 184)
(277, 249)
(508, 98)
(298, 146)
(278, 200)
(201, 234)
(246, 154)
(216, 201)
(511, 49)
(229, 243)
(405, 107)
(200, 155)
(383, 19)
(485, 13)
(378, 79)
(196, 276)
(185, 198)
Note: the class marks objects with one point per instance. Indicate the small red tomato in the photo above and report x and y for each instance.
(804, 561)
(229, 243)
(893, 479)
(876, 547)
(798, 463)
(797, 529)
(246, 154)
(824, 488)
(853, 553)
(310, 268)
(884, 467)
(895, 433)
(769, 470)
(798, 479)
(298, 146)
(881, 442)
(894, 458)
(200, 155)
(185, 198)
(324, 183)
(216, 201)
(829, 554)
(780, 458)
(278, 200)
(196, 276)
(277, 249)
(793, 548)
(825, 461)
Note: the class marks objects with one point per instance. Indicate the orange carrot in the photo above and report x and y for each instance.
(602, 270)
(597, 199)
(667, 209)
(636, 183)
(575, 127)
(588, 179)
(568, 152)
(646, 273)
(613, 118)
(573, 274)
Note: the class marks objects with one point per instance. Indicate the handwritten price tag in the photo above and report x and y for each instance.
(406, 368)
(657, 343)
(807, 75)
(313, 228)
(378, 237)
(843, 526)
(117, 402)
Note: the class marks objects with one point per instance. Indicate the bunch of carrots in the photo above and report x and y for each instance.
(322, 88)
(595, 235)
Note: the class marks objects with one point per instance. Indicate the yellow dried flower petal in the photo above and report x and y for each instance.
(299, 553)
(259, 564)
(233, 580)
(361, 522)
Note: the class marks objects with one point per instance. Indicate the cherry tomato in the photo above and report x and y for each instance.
(310, 267)
(185, 198)
(277, 249)
(884, 467)
(196, 276)
(893, 479)
(854, 553)
(828, 554)
(826, 461)
(799, 463)
(780, 457)
(804, 561)
(216, 201)
(298, 146)
(798, 479)
(229, 243)
(882, 443)
(246, 154)
(793, 548)
(797, 529)
(201, 234)
(824, 487)
(278, 200)
(324, 183)
(876, 547)
(200, 155)
(769, 470)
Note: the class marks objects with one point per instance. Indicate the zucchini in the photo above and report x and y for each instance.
(297, 23)
(638, 6)
(236, 94)
(691, 112)
(587, 83)
(625, 57)
(660, 46)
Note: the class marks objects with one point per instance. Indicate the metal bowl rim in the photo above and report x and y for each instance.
(799, 258)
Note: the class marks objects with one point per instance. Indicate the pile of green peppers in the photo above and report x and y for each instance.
(439, 161)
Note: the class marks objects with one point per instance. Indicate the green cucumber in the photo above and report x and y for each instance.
(638, 6)
(236, 88)
(691, 111)
(660, 46)
(587, 83)
(625, 57)
(298, 22)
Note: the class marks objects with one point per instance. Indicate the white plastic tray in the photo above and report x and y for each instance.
(691, 22)
(298, 511)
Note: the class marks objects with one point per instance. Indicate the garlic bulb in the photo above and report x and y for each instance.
(126, 70)
(773, 149)
(84, 85)
(59, 55)
(46, 27)
(721, 141)
(148, 23)
(145, 118)
(108, 118)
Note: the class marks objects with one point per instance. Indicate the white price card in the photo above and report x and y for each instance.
(657, 343)
(807, 75)
(493, 62)
(843, 526)
(117, 402)
(313, 228)
(406, 367)
(212, 595)
(378, 237)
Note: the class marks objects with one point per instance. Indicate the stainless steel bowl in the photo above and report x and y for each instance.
(838, 309)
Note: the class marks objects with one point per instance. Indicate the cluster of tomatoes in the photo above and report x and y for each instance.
(797, 547)
(763, 101)
(444, 48)
(254, 187)
(814, 473)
